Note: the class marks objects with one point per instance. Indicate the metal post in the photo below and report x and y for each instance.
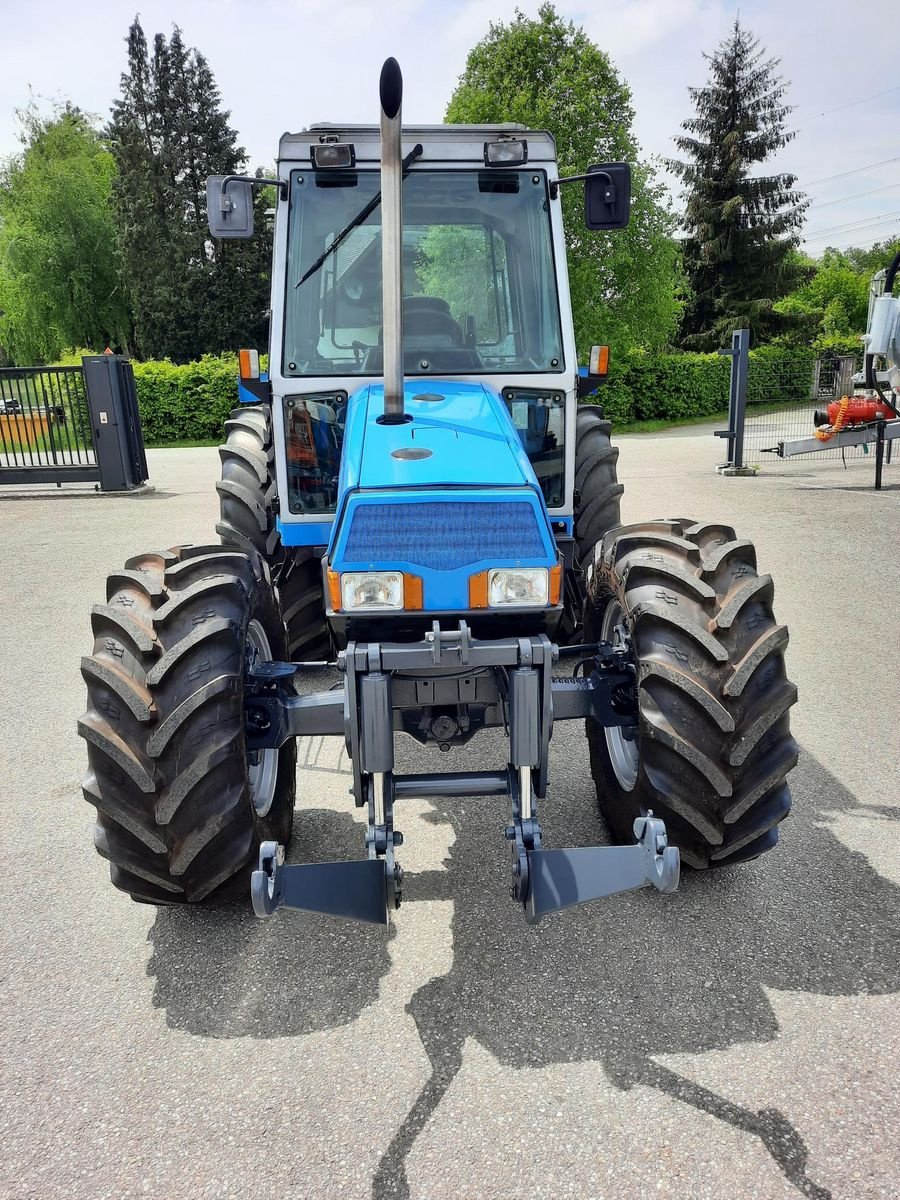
(732, 400)
(737, 403)
(879, 453)
(114, 424)
(740, 363)
(391, 94)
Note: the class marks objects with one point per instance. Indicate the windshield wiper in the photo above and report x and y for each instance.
(357, 220)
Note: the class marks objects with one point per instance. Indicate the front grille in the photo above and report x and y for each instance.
(443, 535)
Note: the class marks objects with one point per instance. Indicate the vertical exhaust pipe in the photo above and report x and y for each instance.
(391, 93)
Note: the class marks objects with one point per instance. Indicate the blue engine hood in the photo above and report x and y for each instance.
(466, 426)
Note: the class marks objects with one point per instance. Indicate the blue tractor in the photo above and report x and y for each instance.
(413, 494)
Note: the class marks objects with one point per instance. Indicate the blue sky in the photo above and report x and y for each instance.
(283, 63)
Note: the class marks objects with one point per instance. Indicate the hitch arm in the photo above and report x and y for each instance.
(562, 878)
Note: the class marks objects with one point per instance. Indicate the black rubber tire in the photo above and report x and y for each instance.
(597, 487)
(167, 763)
(713, 742)
(248, 504)
(597, 492)
(247, 492)
(301, 593)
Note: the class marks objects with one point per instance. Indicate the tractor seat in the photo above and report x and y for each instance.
(428, 322)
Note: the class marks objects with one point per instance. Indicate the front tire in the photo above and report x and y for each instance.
(181, 806)
(713, 746)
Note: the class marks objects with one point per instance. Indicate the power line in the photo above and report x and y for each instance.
(843, 175)
(851, 104)
(856, 196)
(851, 235)
(848, 224)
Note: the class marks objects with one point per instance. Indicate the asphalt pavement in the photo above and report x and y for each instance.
(738, 1039)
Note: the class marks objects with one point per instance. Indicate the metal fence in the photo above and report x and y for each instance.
(774, 401)
(782, 401)
(45, 426)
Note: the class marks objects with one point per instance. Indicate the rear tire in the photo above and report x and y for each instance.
(168, 770)
(248, 505)
(713, 745)
(596, 482)
(597, 492)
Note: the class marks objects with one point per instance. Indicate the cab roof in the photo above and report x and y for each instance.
(441, 143)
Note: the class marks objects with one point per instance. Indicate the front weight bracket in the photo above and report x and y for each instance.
(356, 890)
(563, 878)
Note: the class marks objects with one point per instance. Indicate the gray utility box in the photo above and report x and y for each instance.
(115, 422)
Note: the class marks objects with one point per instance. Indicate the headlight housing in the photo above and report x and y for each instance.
(519, 587)
(371, 591)
(516, 587)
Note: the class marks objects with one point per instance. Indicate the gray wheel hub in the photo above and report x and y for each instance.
(262, 765)
(621, 745)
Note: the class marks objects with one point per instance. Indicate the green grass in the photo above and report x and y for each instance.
(38, 443)
(659, 424)
(656, 425)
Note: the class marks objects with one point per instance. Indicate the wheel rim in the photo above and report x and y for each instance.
(624, 755)
(262, 765)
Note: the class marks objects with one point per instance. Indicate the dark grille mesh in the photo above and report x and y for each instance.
(444, 535)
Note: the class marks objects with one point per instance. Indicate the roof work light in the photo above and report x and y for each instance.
(509, 152)
(331, 155)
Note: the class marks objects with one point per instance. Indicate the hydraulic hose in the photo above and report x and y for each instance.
(892, 274)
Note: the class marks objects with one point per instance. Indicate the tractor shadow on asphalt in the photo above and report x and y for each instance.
(221, 972)
(621, 982)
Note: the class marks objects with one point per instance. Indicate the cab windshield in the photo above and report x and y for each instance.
(479, 284)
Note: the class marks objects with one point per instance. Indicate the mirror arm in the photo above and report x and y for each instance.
(254, 181)
(554, 183)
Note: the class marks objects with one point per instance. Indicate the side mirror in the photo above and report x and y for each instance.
(607, 196)
(229, 208)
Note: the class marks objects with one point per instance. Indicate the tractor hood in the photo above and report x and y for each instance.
(459, 434)
(444, 495)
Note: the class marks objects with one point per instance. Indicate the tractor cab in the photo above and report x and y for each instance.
(480, 330)
(480, 295)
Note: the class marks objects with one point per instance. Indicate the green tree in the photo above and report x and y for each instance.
(60, 271)
(868, 260)
(546, 73)
(741, 226)
(833, 302)
(168, 132)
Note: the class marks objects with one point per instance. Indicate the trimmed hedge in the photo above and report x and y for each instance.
(675, 387)
(193, 401)
(186, 403)
(182, 403)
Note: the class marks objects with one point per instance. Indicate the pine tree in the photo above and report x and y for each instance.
(741, 227)
(168, 133)
(140, 197)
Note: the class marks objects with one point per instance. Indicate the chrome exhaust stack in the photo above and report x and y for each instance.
(391, 94)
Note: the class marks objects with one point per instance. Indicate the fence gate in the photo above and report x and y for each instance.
(772, 405)
(45, 427)
(71, 425)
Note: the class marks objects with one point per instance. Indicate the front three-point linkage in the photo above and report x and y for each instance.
(505, 683)
(546, 880)
(362, 890)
